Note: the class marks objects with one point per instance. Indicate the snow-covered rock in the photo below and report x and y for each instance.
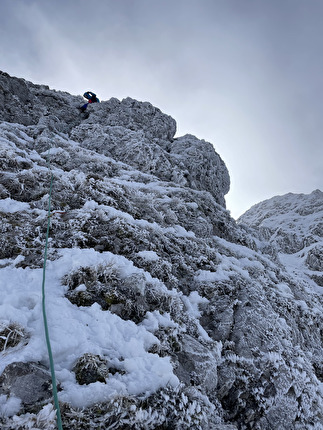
(293, 225)
(163, 312)
(291, 222)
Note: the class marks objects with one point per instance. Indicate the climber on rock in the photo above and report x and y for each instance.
(91, 97)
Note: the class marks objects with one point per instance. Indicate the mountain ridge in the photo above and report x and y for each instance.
(172, 315)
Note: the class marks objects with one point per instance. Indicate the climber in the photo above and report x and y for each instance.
(91, 97)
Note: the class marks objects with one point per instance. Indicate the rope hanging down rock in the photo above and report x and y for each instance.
(50, 355)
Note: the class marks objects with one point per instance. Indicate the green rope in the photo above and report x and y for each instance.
(50, 355)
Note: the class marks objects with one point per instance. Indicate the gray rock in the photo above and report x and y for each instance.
(30, 382)
(91, 368)
(206, 170)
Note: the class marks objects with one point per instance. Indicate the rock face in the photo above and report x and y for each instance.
(24, 103)
(171, 315)
(124, 130)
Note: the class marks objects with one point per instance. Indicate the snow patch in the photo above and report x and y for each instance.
(11, 206)
(75, 331)
(148, 255)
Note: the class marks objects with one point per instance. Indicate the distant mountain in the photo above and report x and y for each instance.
(293, 224)
(163, 312)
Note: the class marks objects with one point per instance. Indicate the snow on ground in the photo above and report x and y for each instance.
(11, 206)
(78, 330)
(295, 266)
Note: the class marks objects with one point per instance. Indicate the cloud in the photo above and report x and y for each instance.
(246, 76)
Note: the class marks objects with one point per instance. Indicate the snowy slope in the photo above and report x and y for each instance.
(291, 222)
(162, 311)
(293, 225)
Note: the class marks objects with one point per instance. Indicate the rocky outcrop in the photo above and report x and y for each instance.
(206, 170)
(122, 129)
(25, 103)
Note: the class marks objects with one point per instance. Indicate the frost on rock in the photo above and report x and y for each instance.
(293, 225)
(206, 170)
(163, 312)
(135, 116)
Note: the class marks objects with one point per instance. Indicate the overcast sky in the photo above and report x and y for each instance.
(245, 75)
